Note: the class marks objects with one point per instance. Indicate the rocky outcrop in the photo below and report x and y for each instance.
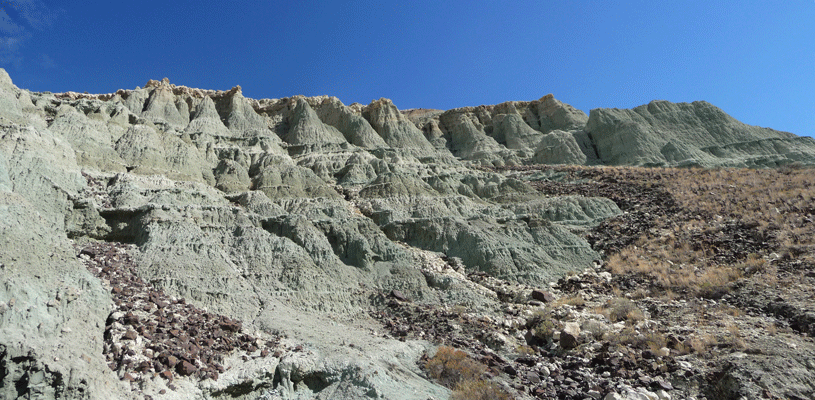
(397, 131)
(356, 129)
(289, 219)
(690, 134)
(559, 147)
(305, 127)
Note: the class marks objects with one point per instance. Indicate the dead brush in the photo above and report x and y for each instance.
(653, 341)
(621, 309)
(478, 390)
(454, 369)
(450, 366)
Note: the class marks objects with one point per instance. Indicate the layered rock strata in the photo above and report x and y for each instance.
(291, 217)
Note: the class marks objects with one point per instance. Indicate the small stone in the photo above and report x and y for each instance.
(399, 295)
(569, 336)
(543, 296)
(128, 377)
(185, 368)
(144, 366)
(533, 377)
(613, 396)
(130, 335)
(663, 395)
(162, 391)
(172, 361)
(231, 326)
(594, 394)
(131, 319)
(664, 385)
(166, 374)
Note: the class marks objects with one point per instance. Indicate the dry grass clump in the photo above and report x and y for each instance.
(456, 370)
(478, 390)
(630, 337)
(575, 301)
(621, 309)
(449, 367)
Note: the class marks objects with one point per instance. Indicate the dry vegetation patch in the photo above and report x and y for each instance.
(458, 371)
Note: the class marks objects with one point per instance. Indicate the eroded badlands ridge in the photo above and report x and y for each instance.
(296, 216)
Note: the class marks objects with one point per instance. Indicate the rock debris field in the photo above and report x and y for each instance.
(150, 333)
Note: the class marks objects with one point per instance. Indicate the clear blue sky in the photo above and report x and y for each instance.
(753, 59)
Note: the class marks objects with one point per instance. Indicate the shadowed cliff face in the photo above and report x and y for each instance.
(266, 211)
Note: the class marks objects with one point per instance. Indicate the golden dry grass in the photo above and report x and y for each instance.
(690, 253)
(456, 370)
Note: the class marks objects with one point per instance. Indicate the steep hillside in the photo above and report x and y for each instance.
(175, 242)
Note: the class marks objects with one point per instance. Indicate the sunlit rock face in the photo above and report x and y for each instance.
(290, 215)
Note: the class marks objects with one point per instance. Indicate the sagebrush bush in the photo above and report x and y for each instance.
(450, 366)
(456, 370)
(545, 330)
(622, 309)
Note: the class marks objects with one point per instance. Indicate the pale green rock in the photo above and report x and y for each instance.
(162, 106)
(299, 236)
(559, 147)
(662, 133)
(353, 126)
(205, 120)
(307, 128)
(231, 176)
(397, 131)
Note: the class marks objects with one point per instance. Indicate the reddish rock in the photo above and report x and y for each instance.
(130, 335)
(231, 326)
(131, 319)
(128, 377)
(185, 368)
(543, 296)
(171, 361)
(144, 366)
(167, 374)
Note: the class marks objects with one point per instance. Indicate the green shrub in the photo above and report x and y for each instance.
(545, 330)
